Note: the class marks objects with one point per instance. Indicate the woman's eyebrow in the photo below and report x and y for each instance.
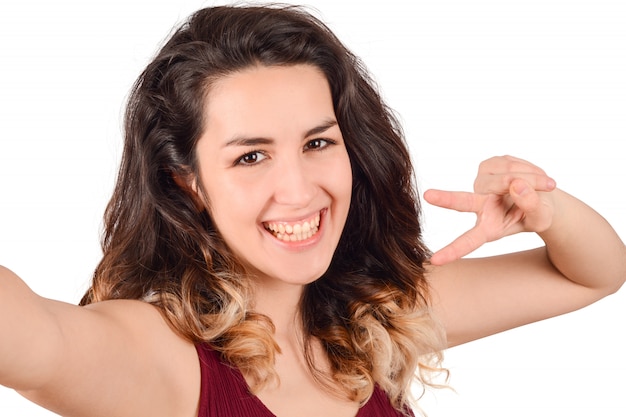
(246, 141)
(321, 128)
(255, 141)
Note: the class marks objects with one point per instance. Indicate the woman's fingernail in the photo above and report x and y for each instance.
(520, 188)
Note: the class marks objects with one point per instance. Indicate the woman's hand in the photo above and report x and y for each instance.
(510, 196)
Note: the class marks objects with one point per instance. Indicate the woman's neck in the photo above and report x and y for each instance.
(281, 303)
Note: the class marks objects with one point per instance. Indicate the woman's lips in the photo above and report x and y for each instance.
(294, 231)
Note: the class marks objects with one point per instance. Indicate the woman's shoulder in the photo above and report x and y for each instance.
(153, 341)
(145, 328)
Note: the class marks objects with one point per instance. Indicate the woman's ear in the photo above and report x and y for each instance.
(188, 183)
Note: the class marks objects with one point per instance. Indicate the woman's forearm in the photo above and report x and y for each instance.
(583, 246)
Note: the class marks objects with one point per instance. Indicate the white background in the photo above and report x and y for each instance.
(542, 80)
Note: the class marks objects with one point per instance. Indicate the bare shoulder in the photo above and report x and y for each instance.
(140, 318)
(173, 358)
(122, 359)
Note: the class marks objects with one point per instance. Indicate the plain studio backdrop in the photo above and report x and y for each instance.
(541, 80)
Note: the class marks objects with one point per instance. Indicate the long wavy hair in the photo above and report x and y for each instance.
(370, 310)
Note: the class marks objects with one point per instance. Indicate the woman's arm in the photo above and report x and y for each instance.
(117, 358)
(583, 259)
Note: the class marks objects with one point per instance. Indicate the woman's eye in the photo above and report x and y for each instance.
(251, 158)
(316, 144)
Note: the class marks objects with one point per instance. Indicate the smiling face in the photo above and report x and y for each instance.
(275, 170)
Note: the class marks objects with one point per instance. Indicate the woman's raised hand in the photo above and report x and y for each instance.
(510, 196)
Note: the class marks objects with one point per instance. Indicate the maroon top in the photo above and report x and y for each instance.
(224, 393)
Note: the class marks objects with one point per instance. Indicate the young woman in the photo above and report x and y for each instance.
(263, 251)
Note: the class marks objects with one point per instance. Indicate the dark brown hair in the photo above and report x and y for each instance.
(369, 310)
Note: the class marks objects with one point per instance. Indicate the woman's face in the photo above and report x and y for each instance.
(275, 170)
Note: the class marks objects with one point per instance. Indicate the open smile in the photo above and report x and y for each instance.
(294, 231)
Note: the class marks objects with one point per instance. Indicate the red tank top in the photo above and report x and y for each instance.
(224, 393)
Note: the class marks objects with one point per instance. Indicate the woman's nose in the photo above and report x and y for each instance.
(294, 183)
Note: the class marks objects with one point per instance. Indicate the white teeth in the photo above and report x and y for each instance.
(294, 232)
